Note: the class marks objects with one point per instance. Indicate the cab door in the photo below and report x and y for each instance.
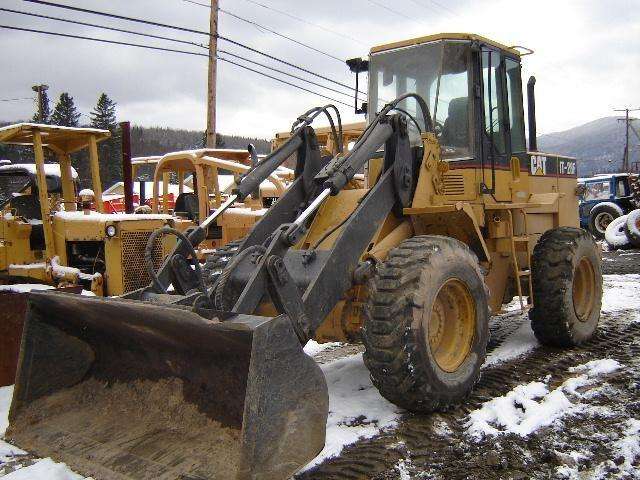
(495, 141)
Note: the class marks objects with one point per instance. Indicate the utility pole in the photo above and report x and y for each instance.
(40, 89)
(211, 90)
(625, 158)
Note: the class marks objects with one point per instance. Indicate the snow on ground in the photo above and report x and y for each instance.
(621, 292)
(532, 406)
(356, 409)
(44, 469)
(516, 344)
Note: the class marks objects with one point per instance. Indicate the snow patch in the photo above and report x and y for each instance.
(313, 348)
(621, 292)
(356, 408)
(108, 217)
(7, 451)
(45, 469)
(24, 287)
(6, 393)
(516, 344)
(530, 407)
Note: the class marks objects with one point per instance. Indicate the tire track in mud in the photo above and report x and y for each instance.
(433, 445)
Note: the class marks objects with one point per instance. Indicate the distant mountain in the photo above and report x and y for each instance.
(598, 145)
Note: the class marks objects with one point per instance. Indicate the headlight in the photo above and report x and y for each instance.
(111, 230)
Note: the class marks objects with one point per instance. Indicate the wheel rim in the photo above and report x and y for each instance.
(451, 325)
(584, 289)
(602, 221)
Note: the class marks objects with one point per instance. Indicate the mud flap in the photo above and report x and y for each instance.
(123, 389)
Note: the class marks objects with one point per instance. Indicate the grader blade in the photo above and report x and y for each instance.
(121, 389)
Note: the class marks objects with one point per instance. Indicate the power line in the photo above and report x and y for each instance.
(15, 99)
(150, 47)
(268, 29)
(437, 4)
(389, 9)
(77, 22)
(191, 30)
(180, 41)
(306, 22)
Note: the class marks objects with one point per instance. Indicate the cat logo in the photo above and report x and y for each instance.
(538, 165)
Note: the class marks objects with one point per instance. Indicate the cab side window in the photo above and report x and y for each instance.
(492, 110)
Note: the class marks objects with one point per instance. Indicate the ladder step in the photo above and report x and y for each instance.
(520, 238)
(524, 273)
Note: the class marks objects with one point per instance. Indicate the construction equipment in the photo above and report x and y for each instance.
(412, 264)
(45, 239)
(213, 173)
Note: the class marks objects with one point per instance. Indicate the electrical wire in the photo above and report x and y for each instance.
(164, 49)
(389, 9)
(268, 29)
(15, 99)
(306, 22)
(191, 30)
(180, 41)
(114, 29)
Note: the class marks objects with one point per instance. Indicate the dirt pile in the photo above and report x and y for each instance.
(142, 430)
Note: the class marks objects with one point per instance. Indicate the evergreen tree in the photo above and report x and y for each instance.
(104, 114)
(46, 110)
(65, 112)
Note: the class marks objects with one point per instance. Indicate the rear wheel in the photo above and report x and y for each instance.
(567, 287)
(426, 324)
(601, 216)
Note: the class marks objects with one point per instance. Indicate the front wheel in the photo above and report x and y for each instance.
(567, 287)
(601, 216)
(426, 324)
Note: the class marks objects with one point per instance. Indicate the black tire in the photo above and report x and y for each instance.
(217, 261)
(398, 313)
(601, 216)
(565, 314)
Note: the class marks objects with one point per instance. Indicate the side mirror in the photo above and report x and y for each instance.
(357, 65)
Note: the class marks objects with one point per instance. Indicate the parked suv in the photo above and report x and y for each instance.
(604, 198)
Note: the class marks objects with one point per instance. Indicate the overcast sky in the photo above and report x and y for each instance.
(586, 61)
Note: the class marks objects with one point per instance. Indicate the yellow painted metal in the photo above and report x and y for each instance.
(95, 173)
(43, 195)
(68, 188)
(380, 251)
(452, 323)
(470, 37)
(584, 289)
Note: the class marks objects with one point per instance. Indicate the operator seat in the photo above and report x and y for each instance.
(27, 206)
(187, 206)
(455, 132)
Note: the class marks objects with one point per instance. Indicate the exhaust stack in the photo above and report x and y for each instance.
(531, 108)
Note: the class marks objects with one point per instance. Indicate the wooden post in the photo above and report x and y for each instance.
(95, 173)
(43, 194)
(211, 91)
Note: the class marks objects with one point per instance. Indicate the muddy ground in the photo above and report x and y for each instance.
(584, 445)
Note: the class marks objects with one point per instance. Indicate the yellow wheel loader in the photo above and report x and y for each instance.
(456, 218)
(44, 238)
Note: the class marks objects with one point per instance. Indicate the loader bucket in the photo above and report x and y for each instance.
(13, 308)
(121, 389)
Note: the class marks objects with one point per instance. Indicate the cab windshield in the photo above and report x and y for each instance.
(438, 72)
(12, 184)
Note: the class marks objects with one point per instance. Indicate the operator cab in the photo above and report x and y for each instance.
(472, 86)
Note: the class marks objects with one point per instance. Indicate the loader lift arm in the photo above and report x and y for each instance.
(176, 270)
(307, 284)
